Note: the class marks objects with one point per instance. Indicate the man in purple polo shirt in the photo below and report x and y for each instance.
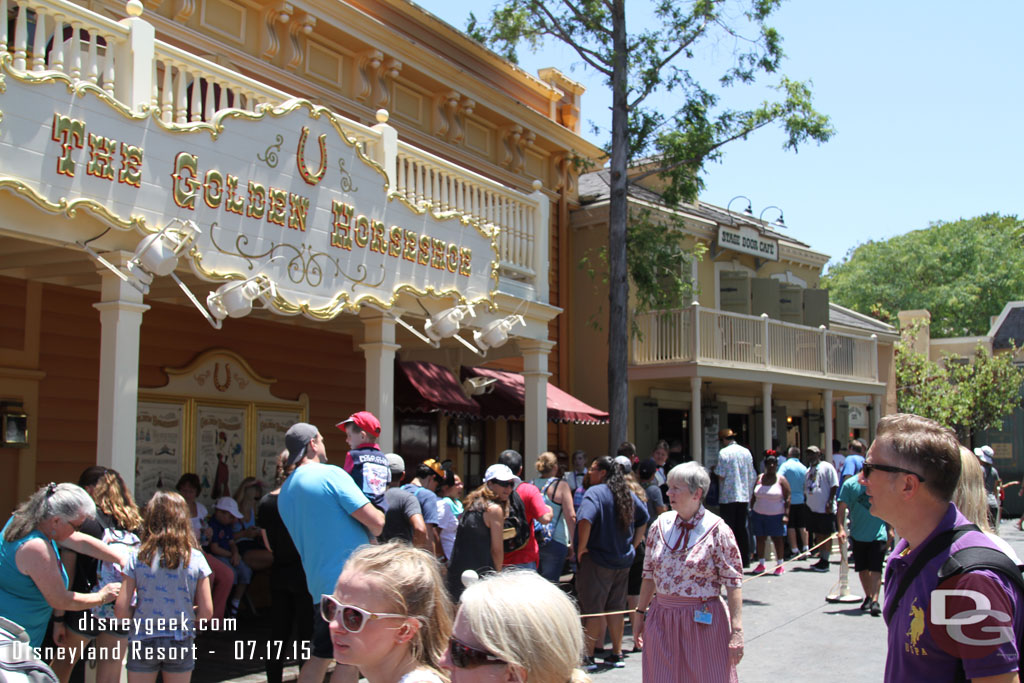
(968, 627)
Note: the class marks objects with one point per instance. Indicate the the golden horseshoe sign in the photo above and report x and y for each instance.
(311, 177)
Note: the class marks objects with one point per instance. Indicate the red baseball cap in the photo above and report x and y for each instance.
(365, 420)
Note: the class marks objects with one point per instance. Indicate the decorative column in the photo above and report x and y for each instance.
(535, 374)
(766, 412)
(827, 417)
(121, 310)
(876, 415)
(696, 421)
(379, 349)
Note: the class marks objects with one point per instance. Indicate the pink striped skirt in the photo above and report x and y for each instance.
(678, 649)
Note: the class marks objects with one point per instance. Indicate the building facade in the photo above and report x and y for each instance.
(220, 217)
(759, 350)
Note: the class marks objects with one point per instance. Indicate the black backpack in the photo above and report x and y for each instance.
(517, 529)
(969, 559)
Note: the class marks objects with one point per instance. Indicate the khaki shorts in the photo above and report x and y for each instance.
(600, 589)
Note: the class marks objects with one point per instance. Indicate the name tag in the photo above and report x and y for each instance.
(702, 616)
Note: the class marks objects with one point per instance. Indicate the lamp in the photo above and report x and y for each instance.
(446, 323)
(749, 210)
(477, 386)
(779, 222)
(13, 426)
(156, 254)
(235, 299)
(495, 333)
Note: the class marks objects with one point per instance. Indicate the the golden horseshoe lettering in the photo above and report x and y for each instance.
(311, 177)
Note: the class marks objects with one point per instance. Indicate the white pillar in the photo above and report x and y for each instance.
(696, 421)
(766, 412)
(121, 310)
(876, 415)
(535, 374)
(827, 416)
(379, 349)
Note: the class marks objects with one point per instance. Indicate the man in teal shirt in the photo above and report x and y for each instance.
(868, 535)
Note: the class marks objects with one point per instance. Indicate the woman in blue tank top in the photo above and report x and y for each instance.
(32, 579)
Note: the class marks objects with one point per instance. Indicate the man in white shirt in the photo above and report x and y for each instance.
(735, 470)
(820, 492)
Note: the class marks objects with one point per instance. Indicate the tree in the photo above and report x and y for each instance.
(961, 272)
(675, 146)
(967, 396)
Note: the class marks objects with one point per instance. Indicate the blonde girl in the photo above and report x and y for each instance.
(390, 615)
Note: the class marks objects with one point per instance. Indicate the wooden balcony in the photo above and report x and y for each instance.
(711, 337)
(125, 60)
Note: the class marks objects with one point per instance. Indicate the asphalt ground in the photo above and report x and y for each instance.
(793, 634)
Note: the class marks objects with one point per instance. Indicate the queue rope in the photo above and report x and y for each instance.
(750, 578)
(801, 556)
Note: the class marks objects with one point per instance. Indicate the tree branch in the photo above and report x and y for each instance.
(585, 20)
(684, 162)
(586, 54)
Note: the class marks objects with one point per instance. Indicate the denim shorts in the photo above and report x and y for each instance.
(161, 654)
(767, 525)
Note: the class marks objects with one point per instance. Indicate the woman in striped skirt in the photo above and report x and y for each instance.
(687, 632)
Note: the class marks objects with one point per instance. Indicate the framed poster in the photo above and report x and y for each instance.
(159, 438)
(220, 448)
(711, 445)
(271, 425)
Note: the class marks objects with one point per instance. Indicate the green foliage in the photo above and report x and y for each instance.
(966, 396)
(658, 263)
(962, 272)
(656, 60)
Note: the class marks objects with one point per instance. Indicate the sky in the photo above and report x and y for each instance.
(927, 99)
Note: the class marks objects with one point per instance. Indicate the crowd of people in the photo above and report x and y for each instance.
(397, 578)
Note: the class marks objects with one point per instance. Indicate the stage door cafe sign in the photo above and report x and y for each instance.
(748, 241)
(286, 193)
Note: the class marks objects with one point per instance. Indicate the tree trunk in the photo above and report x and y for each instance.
(618, 283)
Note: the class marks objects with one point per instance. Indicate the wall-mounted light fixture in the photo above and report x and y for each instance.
(13, 426)
(234, 299)
(495, 333)
(779, 222)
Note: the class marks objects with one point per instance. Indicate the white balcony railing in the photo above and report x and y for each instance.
(704, 335)
(60, 36)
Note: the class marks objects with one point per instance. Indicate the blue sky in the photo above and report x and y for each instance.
(927, 100)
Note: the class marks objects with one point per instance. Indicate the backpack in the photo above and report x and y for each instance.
(516, 533)
(544, 533)
(18, 661)
(109, 572)
(969, 559)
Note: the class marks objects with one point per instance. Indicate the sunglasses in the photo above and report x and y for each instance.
(466, 657)
(352, 618)
(504, 484)
(869, 467)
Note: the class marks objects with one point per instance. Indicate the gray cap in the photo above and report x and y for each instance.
(296, 439)
(623, 460)
(395, 463)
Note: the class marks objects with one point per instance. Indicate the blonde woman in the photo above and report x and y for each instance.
(971, 499)
(515, 626)
(478, 541)
(558, 496)
(390, 615)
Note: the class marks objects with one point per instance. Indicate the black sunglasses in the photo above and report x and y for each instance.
(466, 657)
(503, 484)
(869, 467)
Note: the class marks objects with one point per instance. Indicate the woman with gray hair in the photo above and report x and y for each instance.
(687, 632)
(32, 579)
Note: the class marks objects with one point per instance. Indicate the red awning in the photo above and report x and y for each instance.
(429, 388)
(508, 395)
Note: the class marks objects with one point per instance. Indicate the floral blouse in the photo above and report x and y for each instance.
(711, 561)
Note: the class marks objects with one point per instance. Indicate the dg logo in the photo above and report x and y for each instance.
(970, 615)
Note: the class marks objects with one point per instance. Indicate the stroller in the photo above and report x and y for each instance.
(18, 662)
